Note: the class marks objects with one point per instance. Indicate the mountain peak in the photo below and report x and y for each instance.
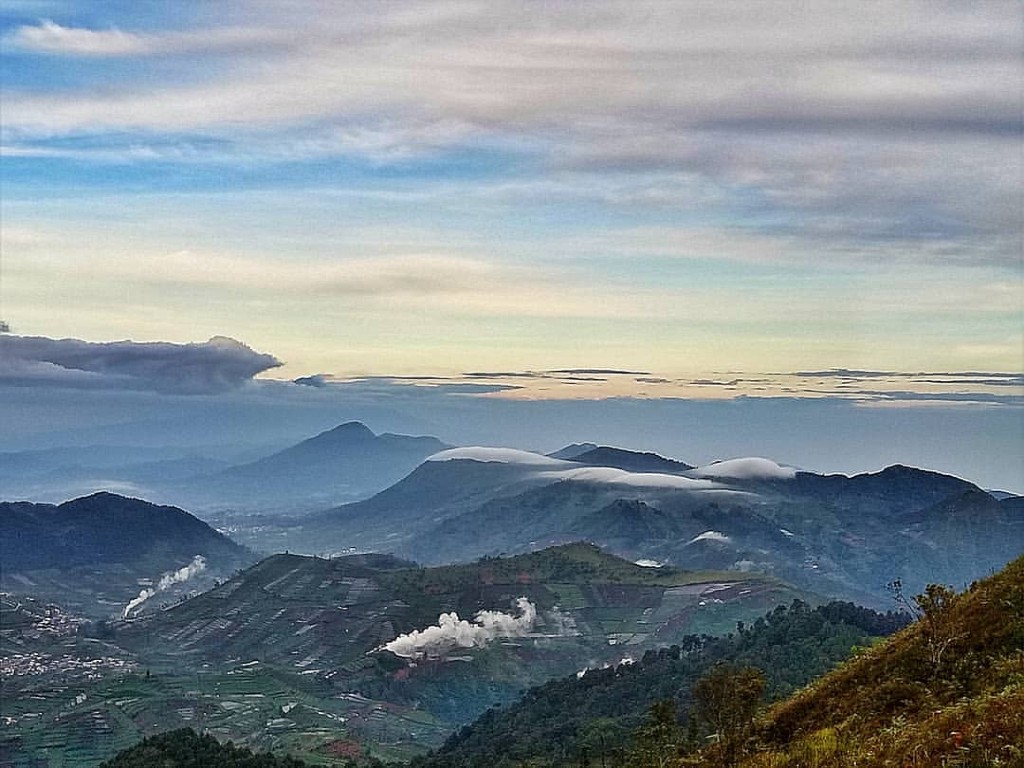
(349, 429)
(573, 450)
(349, 432)
(630, 461)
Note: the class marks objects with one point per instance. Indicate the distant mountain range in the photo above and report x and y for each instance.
(343, 464)
(834, 534)
(94, 554)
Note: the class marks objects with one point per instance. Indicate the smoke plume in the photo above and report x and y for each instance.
(452, 632)
(167, 581)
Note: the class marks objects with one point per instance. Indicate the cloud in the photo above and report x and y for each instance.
(750, 468)
(991, 388)
(674, 68)
(612, 476)
(601, 371)
(415, 274)
(52, 38)
(850, 133)
(460, 284)
(217, 365)
(316, 380)
(559, 374)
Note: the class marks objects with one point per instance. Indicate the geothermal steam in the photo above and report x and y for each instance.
(167, 581)
(452, 632)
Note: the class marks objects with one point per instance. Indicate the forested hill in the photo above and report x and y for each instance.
(948, 691)
(184, 748)
(594, 715)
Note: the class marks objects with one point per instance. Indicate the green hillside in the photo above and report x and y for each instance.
(184, 748)
(947, 691)
(593, 716)
(288, 656)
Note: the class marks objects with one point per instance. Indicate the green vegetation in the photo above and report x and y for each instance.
(946, 692)
(577, 563)
(184, 748)
(285, 657)
(594, 716)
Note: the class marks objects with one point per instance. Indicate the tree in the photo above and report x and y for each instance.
(932, 609)
(939, 624)
(726, 698)
(656, 743)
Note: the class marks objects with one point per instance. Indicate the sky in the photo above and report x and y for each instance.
(517, 200)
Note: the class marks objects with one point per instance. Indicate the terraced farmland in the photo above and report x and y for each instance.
(288, 656)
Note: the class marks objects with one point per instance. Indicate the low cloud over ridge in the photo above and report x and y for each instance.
(217, 365)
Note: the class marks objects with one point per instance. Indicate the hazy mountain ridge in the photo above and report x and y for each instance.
(342, 464)
(840, 535)
(90, 553)
(347, 462)
(318, 630)
(621, 458)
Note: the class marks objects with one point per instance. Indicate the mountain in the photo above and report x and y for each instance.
(631, 461)
(1001, 495)
(344, 463)
(833, 534)
(448, 483)
(94, 553)
(573, 450)
(945, 691)
(373, 631)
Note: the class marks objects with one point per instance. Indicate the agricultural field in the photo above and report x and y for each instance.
(296, 654)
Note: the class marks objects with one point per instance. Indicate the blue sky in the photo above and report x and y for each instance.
(693, 190)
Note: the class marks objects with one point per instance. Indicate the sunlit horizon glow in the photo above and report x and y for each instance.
(411, 189)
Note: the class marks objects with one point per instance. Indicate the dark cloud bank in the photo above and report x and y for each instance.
(218, 365)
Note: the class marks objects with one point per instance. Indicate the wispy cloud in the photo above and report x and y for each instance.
(860, 133)
(612, 161)
(50, 37)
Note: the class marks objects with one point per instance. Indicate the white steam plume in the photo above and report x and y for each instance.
(452, 632)
(167, 581)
